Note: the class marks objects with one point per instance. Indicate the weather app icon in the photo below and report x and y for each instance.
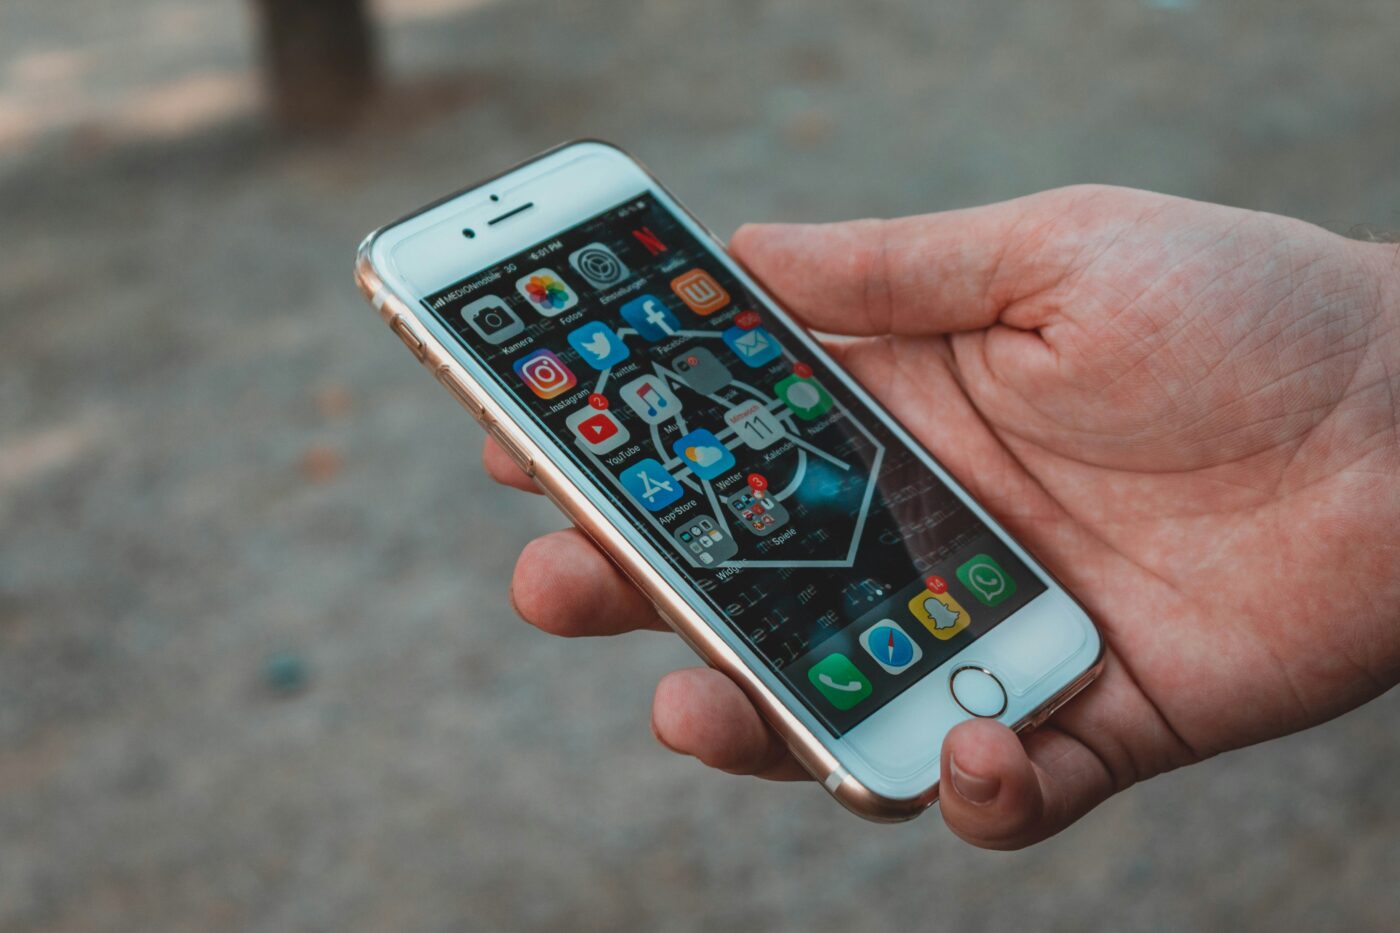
(704, 454)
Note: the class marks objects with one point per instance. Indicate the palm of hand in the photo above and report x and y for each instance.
(1187, 412)
(1174, 406)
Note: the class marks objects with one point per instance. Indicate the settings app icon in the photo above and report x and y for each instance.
(599, 265)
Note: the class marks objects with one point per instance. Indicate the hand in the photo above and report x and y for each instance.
(1188, 412)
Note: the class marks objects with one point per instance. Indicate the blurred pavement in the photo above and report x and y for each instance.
(257, 666)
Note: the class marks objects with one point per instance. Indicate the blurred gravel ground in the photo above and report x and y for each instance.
(213, 458)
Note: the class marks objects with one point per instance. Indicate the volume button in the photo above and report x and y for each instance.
(411, 340)
(464, 395)
(513, 447)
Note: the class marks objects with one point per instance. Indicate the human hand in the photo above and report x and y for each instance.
(1188, 412)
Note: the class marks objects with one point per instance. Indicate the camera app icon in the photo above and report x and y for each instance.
(545, 374)
(493, 319)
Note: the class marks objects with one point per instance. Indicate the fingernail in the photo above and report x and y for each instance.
(971, 787)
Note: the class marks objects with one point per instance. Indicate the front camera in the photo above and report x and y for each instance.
(469, 233)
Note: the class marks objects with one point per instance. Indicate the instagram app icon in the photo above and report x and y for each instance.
(545, 374)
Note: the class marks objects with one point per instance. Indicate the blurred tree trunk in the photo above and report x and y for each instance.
(320, 59)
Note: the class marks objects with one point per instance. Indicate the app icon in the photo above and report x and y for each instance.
(545, 374)
(599, 265)
(840, 681)
(940, 613)
(701, 370)
(754, 425)
(891, 646)
(600, 431)
(649, 397)
(705, 542)
(700, 292)
(650, 484)
(651, 318)
(757, 511)
(755, 347)
(704, 454)
(987, 581)
(651, 241)
(598, 345)
(493, 319)
(806, 397)
(546, 292)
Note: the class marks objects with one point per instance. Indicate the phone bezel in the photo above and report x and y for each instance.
(426, 252)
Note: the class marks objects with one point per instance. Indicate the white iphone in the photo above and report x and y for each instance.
(787, 527)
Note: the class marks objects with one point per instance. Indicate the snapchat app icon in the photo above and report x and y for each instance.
(940, 613)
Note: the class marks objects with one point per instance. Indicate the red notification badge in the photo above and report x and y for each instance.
(747, 320)
(936, 584)
(802, 370)
(598, 400)
(758, 482)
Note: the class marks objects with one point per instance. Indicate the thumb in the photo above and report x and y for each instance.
(997, 794)
(929, 274)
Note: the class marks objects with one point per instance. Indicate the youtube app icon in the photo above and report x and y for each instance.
(600, 431)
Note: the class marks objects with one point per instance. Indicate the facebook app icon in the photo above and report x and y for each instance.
(650, 484)
(651, 318)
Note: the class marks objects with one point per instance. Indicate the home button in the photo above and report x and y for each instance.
(977, 691)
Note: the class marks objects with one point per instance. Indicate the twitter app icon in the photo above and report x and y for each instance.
(706, 456)
(598, 345)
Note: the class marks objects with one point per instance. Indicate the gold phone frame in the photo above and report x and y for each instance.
(670, 605)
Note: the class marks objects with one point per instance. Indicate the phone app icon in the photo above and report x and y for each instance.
(755, 347)
(806, 397)
(650, 317)
(754, 425)
(701, 370)
(599, 265)
(545, 374)
(705, 542)
(706, 456)
(840, 681)
(600, 431)
(598, 345)
(700, 292)
(546, 292)
(987, 580)
(650, 484)
(891, 646)
(493, 319)
(758, 511)
(940, 613)
(649, 397)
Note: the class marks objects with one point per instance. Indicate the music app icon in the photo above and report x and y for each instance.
(650, 398)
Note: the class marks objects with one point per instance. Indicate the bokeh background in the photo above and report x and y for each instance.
(258, 670)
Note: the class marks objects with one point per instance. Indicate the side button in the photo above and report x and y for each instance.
(517, 453)
(410, 339)
(464, 395)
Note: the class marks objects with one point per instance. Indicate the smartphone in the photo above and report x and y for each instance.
(781, 521)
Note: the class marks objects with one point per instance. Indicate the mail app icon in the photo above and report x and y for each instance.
(754, 347)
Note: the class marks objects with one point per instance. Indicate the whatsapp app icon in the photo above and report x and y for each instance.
(986, 580)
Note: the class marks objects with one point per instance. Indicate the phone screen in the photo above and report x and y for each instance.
(825, 542)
